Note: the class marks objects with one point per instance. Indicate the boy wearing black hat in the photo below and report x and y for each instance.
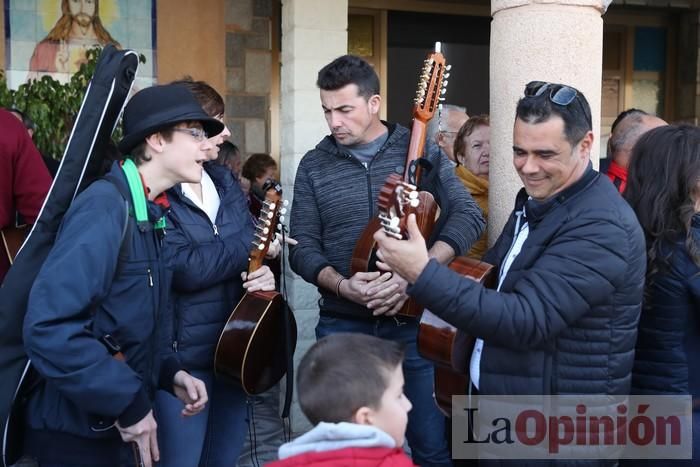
(90, 323)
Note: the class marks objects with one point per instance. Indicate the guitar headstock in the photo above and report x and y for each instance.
(432, 86)
(397, 199)
(267, 224)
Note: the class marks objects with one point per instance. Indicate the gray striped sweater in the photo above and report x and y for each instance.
(335, 197)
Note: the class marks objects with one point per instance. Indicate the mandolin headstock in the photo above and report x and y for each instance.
(432, 86)
(267, 224)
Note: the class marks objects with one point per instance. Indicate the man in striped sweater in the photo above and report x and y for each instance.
(335, 194)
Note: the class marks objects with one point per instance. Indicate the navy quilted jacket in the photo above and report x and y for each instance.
(667, 360)
(565, 320)
(82, 293)
(206, 260)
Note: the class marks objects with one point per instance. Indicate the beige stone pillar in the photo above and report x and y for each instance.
(314, 32)
(547, 40)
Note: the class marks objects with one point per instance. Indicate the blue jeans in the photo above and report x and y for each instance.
(426, 424)
(213, 437)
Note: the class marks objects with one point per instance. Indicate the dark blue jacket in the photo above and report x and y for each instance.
(565, 320)
(81, 295)
(667, 360)
(206, 260)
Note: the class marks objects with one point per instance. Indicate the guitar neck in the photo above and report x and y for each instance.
(255, 261)
(415, 150)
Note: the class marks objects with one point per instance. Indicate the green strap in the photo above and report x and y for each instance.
(136, 187)
(137, 194)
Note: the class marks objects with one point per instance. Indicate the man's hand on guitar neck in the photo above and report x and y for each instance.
(260, 279)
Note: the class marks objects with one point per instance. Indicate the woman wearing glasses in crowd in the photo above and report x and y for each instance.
(663, 188)
(209, 235)
(472, 149)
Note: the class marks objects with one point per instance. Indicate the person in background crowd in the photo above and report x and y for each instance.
(51, 163)
(626, 130)
(24, 179)
(258, 169)
(442, 129)
(230, 156)
(209, 236)
(472, 149)
(663, 188)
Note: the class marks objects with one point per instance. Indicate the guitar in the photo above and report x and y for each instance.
(447, 347)
(431, 88)
(252, 348)
(12, 240)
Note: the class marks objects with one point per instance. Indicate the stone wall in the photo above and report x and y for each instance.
(249, 72)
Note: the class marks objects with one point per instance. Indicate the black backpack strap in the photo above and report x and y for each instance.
(125, 246)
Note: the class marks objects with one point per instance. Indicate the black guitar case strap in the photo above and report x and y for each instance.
(82, 163)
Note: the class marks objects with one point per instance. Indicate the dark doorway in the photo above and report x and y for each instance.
(465, 44)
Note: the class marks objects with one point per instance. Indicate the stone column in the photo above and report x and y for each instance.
(547, 40)
(314, 32)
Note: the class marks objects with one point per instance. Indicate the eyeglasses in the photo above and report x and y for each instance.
(559, 94)
(197, 133)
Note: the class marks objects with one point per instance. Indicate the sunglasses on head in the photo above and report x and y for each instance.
(558, 93)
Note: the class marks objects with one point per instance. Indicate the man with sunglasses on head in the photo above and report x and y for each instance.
(570, 264)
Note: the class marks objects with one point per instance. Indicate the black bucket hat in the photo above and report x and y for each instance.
(158, 107)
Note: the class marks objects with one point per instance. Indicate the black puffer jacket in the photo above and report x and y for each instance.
(667, 360)
(207, 260)
(565, 320)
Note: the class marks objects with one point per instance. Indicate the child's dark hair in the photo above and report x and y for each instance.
(256, 165)
(342, 373)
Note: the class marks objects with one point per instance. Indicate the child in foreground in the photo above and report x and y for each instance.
(351, 388)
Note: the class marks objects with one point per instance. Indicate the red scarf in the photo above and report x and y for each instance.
(618, 175)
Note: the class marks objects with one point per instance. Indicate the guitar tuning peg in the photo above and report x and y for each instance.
(448, 67)
(283, 211)
(265, 230)
(270, 215)
(441, 99)
(414, 203)
(280, 227)
(285, 203)
(261, 247)
(444, 83)
(446, 75)
(281, 218)
(443, 91)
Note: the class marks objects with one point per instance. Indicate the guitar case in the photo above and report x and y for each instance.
(82, 163)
